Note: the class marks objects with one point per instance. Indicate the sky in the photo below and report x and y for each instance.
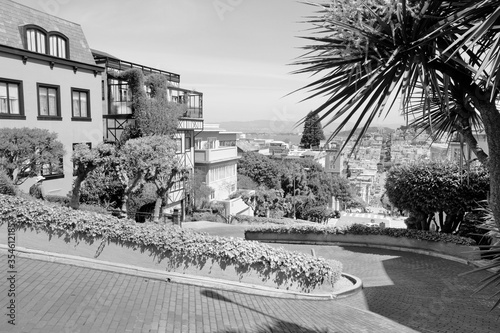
(238, 53)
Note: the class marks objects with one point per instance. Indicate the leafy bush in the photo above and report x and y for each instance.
(359, 229)
(6, 184)
(170, 240)
(206, 216)
(263, 220)
(59, 199)
(96, 209)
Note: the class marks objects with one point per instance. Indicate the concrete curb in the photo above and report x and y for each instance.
(188, 279)
(387, 247)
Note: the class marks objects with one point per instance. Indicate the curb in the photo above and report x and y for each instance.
(387, 247)
(188, 279)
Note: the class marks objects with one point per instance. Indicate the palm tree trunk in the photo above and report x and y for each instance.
(491, 121)
(464, 128)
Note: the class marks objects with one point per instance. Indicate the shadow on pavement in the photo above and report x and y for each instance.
(428, 295)
(278, 325)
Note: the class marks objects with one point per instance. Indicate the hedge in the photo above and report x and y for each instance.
(359, 229)
(265, 220)
(295, 267)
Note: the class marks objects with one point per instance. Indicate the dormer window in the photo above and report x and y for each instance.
(36, 40)
(57, 46)
(52, 43)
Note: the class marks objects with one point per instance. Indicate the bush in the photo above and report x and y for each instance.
(95, 209)
(59, 199)
(6, 185)
(206, 216)
(264, 220)
(295, 267)
(359, 229)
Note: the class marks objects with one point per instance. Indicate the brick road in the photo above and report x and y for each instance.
(54, 297)
(403, 291)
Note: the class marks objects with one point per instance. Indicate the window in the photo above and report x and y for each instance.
(11, 98)
(52, 171)
(52, 43)
(58, 46)
(80, 104)
(48, 102)
(188, 143)
(178, 144)
(212, 143)
(36, 40)
(198, 144)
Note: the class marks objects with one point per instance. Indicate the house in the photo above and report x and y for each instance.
(117, 114)
(49, 80)
(216, 156)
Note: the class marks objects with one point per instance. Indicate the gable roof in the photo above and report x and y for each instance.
(14, 17)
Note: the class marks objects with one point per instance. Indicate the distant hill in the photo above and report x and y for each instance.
(278, 126)
(268, 126)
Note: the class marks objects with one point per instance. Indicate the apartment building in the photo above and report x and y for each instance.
(49, 80)
(216, 156)
(116, 99)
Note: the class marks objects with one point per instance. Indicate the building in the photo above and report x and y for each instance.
(117, 112)
(216, 156)
(49, 80)
(334, 163)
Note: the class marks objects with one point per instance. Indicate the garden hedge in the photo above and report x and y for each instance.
(359, 229)
(292, 267)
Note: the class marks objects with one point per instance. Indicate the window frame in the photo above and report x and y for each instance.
(80, 118)
(53, 175)
(58, 101)
(41, 30)
(61, 36)
(20, 96)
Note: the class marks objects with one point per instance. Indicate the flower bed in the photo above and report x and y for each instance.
(358, 235)
(179, 248)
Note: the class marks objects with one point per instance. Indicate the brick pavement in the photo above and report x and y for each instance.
(402, 291)
(55, 297)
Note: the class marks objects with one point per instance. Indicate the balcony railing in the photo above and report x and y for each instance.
(215, 155)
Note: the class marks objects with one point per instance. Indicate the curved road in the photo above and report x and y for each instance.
(403, 293)
(421, 292)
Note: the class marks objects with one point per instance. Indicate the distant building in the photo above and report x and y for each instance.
(216, 156)
(334, 163)
(278, 148)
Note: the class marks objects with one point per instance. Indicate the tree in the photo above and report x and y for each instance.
(86, 160)
(152, 159)
(198, 190)
(424, 189)
(433, 52)
(261, 169)
(313, 131)
(24, 151)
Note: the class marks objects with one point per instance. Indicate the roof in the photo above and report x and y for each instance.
(246, 146)
(14, 16)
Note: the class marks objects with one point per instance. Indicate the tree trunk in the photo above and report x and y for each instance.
(158, 204)
(464, 128)
(491, 121)
(75, 193)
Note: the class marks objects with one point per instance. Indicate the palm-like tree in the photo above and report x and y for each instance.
(444, 54)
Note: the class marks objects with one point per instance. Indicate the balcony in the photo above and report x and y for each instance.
(215, 155)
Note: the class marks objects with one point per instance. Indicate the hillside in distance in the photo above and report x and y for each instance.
(281, 126)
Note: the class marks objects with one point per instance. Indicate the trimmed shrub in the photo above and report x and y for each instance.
(263, 220)
(6, 184)
(59, 199)
(359, 229)
(294, 267)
